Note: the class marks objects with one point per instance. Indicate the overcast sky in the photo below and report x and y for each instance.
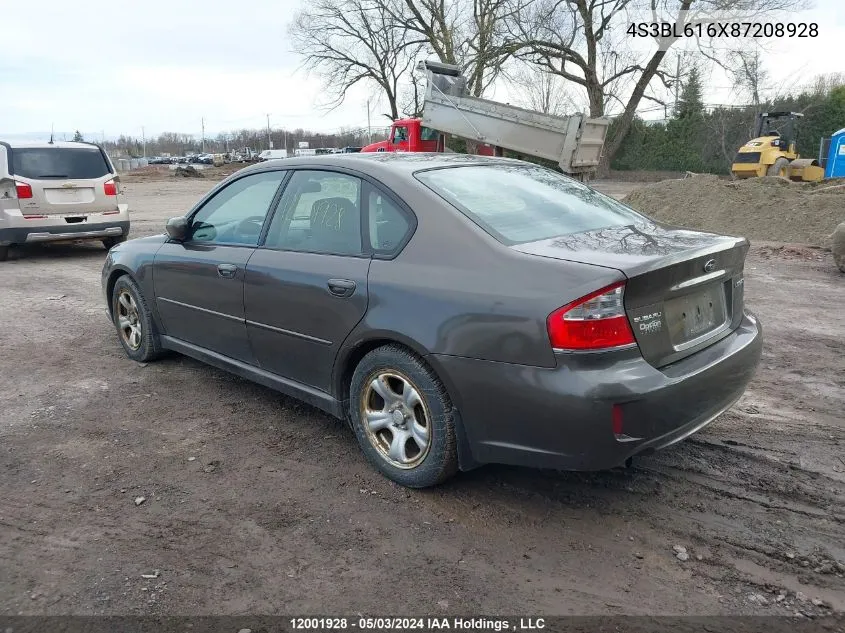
(107, 67)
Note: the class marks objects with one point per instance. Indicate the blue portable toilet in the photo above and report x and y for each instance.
(835, 167)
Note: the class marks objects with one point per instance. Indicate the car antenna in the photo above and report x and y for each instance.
(52, 126)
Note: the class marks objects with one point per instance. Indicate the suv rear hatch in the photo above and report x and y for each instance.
(64, 181)
(684, 290)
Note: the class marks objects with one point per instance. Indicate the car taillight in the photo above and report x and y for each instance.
(23, 190)
(594, 322)
(110, 188)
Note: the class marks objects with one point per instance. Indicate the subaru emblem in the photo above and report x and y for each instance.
(710, 266)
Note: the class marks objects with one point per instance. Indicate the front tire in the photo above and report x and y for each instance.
(4, 253)
(134, 321)
(403, 419)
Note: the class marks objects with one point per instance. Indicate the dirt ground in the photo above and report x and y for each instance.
(254, 503)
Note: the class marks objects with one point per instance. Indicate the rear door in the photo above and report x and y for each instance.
(65, 181)
(306, 288)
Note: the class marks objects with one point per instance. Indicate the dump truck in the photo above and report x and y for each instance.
(574, 142)
(772, 151)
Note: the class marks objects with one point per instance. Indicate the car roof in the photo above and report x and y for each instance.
(399, 163)
(47, 144)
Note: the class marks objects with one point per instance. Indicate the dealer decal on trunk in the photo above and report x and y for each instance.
(649, 323)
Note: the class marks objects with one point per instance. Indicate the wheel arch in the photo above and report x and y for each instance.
(351, 355)
(116, 273)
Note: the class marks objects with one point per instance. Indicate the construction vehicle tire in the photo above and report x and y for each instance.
(779, 168)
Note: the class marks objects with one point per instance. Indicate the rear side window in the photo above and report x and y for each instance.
(59, 162)
(525, 203)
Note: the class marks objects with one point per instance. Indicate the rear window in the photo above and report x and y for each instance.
(525, 203)
(59, 162)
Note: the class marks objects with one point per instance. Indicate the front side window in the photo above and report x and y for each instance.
(236, 214)
(319, 212)
(524, 203)
(400, 134)
(59, 162)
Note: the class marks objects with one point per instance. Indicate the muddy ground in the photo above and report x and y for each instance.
(254, 503)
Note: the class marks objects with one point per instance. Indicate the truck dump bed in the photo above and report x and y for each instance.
(575, 142)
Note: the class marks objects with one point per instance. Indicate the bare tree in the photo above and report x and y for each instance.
(348, 42)
(586, 42)
(467, 33)
(542, 91)
(748, 74)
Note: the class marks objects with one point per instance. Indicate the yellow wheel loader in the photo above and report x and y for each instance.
(772, 151)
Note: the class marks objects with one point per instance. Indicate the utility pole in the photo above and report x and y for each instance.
(269, 140)
(677, 80)
(202, 120)
(144, 140)
(369, 128)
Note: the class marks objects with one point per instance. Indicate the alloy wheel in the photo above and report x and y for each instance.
(128, 320)
(396, 419)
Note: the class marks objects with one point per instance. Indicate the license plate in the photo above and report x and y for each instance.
(68, 195)
(694, 315)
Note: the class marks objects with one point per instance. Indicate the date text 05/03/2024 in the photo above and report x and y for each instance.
(723, 29)
(466, 625)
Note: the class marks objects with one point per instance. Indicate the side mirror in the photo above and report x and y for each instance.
(177, 229)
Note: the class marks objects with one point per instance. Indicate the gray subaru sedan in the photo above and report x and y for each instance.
(454, 310)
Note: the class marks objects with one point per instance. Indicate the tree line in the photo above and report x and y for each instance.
(178, 144)
(706, 140)
(557, 52)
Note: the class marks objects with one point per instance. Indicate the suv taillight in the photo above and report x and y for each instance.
(110, 188)
(23, 190)
(594, 322)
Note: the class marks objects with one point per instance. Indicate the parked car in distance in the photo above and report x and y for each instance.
(456, 310)
(59, 191)
(272, 154)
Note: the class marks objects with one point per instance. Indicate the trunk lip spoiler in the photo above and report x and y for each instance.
(721, 244)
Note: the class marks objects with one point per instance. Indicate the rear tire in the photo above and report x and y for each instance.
(134, 321)
(4, 253)
(779, 168)
(403, 419)
(111, 242)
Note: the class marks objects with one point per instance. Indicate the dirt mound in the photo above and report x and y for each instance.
(769, 209)
(188, 172)
(145, 174)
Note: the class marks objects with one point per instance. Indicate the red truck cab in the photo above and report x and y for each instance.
(410, 135)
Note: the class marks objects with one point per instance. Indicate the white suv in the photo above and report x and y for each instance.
(51, 192)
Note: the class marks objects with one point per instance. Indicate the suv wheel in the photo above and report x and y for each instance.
(134, 321)
(403, 419)
(4, 253)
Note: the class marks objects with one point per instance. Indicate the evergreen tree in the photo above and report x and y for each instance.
(77, 137)
(690, 102)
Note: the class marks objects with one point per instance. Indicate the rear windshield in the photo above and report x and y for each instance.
(59, 162)
(526, 203)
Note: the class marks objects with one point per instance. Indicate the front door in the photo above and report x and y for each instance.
(199, 283)
(399, 140)
(306, 288)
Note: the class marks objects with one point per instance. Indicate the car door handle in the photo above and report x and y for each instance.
(227, 271)
(341, 287)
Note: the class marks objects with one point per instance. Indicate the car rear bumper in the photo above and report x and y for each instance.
(63, 232)
(562, 417)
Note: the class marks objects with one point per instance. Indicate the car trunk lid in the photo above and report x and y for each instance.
(684, 289)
